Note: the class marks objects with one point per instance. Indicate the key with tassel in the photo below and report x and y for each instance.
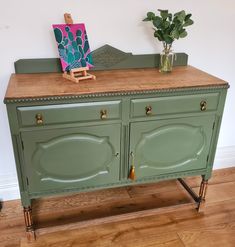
(132, 170)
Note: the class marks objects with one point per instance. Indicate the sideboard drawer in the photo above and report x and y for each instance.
(176, 104)
(67, 113)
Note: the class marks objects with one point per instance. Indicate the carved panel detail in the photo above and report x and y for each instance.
(170, 146)
(108, 56)
(73, 158)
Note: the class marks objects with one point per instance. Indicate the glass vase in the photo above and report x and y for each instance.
(166, 60)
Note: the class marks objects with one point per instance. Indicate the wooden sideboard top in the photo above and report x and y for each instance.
(111, 81)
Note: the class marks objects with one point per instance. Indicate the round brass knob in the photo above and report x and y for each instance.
(39, 119)
(148, 110)
(203, 105)
(103, 114)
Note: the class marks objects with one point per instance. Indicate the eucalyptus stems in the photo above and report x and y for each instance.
(168, 27)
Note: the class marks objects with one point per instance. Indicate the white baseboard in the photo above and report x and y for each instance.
(224, 158)
(9, 189)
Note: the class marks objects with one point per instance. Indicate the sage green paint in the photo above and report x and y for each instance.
(105, 58)
(68, 113)
(35, 147)
(167, 146)
(173, 105)
(71, 157)
(37, 65)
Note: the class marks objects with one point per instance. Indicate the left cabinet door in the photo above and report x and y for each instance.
(71, 158)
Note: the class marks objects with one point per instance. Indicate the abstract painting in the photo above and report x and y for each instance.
(73, 46)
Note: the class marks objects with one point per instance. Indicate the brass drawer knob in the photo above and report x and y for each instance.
(39, 119)
(148, 110)
(203, 105)
(103, 114)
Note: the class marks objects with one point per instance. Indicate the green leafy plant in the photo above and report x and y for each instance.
(168, 27)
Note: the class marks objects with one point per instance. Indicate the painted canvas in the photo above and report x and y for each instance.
(73, 46)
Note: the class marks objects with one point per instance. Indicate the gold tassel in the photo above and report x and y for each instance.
(132, 173)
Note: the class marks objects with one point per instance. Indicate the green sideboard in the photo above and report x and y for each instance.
(70, 137)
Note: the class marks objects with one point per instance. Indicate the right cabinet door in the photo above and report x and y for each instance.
(172, 145)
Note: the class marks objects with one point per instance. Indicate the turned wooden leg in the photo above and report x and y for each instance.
(30, 232)
(202, 195)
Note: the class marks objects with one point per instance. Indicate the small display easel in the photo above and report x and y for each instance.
(76, 74)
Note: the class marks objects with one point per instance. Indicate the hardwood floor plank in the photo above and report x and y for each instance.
(109, 219)
(213, 236)
(82, 199)
(219, 176)
(129, 237)
(12, 243)
(147, 228)
(11, 209)
(154, 188)
(217, 193)
(157, 225)
(121, 209)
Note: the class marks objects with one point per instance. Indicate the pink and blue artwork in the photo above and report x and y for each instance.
(73, 46)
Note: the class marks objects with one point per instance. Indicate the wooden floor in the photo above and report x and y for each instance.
(103, 219)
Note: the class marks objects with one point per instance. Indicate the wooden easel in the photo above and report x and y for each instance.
(76, 74)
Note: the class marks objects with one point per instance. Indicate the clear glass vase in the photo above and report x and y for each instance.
(166, 59)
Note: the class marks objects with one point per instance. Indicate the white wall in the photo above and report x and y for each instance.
(25, 32)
